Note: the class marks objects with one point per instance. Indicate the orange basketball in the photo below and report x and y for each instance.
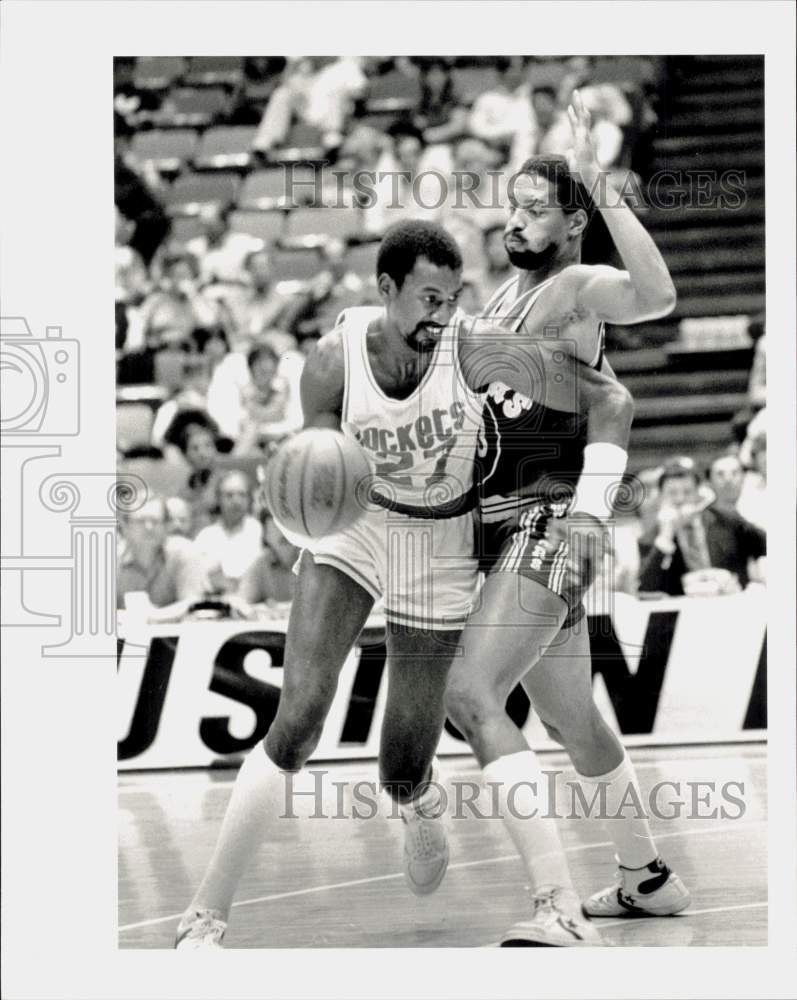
(316, 482)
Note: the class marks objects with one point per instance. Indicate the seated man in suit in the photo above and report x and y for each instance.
(693, 534)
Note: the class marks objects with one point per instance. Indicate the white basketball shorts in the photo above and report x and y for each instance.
(425, 570)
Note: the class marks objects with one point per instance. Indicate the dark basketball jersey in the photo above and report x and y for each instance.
(525, 448)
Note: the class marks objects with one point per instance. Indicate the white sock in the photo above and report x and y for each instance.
(258, 795)
(535, 836)
(630, 831)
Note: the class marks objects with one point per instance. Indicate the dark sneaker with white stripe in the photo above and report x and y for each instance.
(652, 891)
(557, 922)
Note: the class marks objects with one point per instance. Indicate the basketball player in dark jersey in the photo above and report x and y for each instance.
(538, 464)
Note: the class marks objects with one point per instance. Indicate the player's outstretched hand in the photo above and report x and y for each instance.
(581, 158)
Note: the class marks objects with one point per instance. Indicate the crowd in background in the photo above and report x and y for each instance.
(204, 320)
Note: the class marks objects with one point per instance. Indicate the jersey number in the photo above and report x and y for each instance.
(391, 471)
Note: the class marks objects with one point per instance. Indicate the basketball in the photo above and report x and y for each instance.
(314, 483)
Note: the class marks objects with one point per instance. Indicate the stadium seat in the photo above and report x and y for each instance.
(270, 188)
(224, 147)
(380, 121)
(166, 149)
(189, 193)
(472, 81)
(267, 226)
(394, 91)
(361, 260)
(318, 223)
(185, 228)
(303, 142)
(296, 265)
(133, 424)
(157, 72)
(207, 71)
(194, 107)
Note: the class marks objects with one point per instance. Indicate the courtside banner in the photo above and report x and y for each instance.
(203, 693)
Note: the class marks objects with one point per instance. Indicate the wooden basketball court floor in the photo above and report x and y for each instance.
(337, 882)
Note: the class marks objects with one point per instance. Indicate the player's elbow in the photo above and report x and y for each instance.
(619, 402)
(661, 303)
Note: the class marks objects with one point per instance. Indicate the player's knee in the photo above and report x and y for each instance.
(296, 732)
(468, 707)
(553, 732)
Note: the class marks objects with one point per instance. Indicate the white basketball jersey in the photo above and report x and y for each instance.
(422, 447)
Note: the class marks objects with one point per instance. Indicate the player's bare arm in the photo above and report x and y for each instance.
(644, 290)
(322, 383)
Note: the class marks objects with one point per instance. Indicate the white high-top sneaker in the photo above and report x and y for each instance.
(200, 929)
(556, 922)
(652, 891)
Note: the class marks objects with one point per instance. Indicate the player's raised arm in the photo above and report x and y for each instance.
(322, 383)
(644, 291)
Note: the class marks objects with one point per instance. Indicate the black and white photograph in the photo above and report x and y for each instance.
(406, 573)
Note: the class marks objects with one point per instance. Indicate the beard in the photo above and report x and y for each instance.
(530, 260)
(420, 338)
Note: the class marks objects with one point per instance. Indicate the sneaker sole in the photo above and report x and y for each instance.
(664, 911)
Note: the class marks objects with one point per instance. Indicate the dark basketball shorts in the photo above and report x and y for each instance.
(517, 544)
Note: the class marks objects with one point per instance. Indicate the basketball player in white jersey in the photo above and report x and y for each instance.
(540, 462)
(394, 378)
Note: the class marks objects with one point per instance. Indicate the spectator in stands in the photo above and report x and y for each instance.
(138, 190)
(497, 114)
(190, 394)
(580, 75)
(177, 305)
(265, 400)
(752, 502)
(232, 542)
(441, 115)
(693, 536)
(195, 433)
(333, 289)
(757, 388)
(222, 253)
(270, 580)
(541, 113)
(132, 280)
(323, 97)
(287, 103)
(403, 190)
(473, 204)
(167, 568)
(178, 518)
(725, 476)
(258, 305)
